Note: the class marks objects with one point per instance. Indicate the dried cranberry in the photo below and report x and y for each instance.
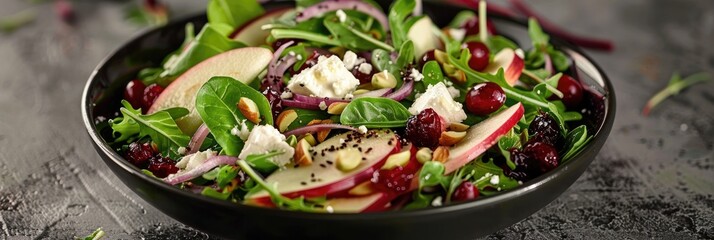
(161, 167)
(572, 91)
(361, 76)
(472, 26)
(396, 180)
(428, 56)
(526, 168)
(425, 128)
(545, 129)
(545, 155)
(479, 55)
(151, 92)
(276, 103)
(139, 154)
(465, 191)
(485, 98)
(134, 93)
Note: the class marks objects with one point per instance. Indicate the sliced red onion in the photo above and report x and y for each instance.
(548, 63)
(197, 140)
(209, 164)
(317, 128)
(376, 93)
(307, 102)
(274, 77)
(403, 92)
(284, 64)
(332, 5)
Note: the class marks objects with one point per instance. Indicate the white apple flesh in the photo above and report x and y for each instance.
(252, 33)
(243, 64)
(423, 36)
(511, 63)
(322, 177)
(370, 203)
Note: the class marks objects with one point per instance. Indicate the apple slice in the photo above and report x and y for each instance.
(323, 177)
(423, 37)
(370, 203)
(243, 64)
(511, 63)
(252, 33)
(482, 136)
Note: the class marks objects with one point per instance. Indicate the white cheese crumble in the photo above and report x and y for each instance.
(286, 95)
(194, 160)
(323, 105)
(454, 92)
(349, 96)
(365, 68)
(438, 98)
(520, 53)
(329, 209)
(495, 180)
(416, 75)
(436, 202)
(362, 129)
(264, 139)
(241, 130)
(328, 78)
(341, 15)
(181, 150)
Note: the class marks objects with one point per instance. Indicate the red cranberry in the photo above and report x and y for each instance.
(545, 155)
(362, 77)
(485, 98)
(472, 27)
(139, 154)
(525, 169)
(151, 92)
(545, 129)
(465, 191)
(134, 93)
(479, 55)
(428, 56)
(396, 180)
(425, 128)
(161, 167)
(572, 91)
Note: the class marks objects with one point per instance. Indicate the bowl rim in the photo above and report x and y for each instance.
(527, 187)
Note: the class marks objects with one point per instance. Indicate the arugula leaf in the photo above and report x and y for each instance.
(508, 142)
(375, 113)
(497, 43)
(96, 235)
(352, 38)
(262, 162)
(225, 175)
(160, 127)
(216, 104)
(675, 85)
(212, 40)
(539, 38)
(213, 193)
(483, 172)
(234, 13)
(430, 175)
(279, 200)
(400, 10)
(304, 35)
(575, 142)
(560, 61)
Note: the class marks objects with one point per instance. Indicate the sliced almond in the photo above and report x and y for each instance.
(336, 108)
(362, 189)
(310, 139)
(314, 121)
(360, 91)
(459, 127)
(397, 159)
(450, 138)
(302, 155)
(441, 56)
(441, 154)
(249, 109)
(348, 159)
(424, 155)
(286, 118)
(322, 135)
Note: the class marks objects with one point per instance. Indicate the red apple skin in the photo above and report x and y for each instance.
(511, 63)
(253, 27)
(514, 71)
(337, 187)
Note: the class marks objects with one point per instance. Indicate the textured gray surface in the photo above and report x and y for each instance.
(653, 179)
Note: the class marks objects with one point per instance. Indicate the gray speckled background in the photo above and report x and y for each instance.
(653, 179)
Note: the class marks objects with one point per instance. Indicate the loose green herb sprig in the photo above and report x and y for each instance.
(675, 85)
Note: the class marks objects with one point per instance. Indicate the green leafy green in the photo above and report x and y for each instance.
(506, 143)
(352, 38)
(430, 175)
(234, 13)
(406, 54)
(497, 43)
(299, 204)
(96, 235)
(575, 142)
(262, 162)
(213, 193)
(216, 104)
(675, 85)
(461, 18)
(160, 127)
(382, 60)
(225, 175)
(305, 116)
(398, 14)
(483, 173)
(307, 3)
(539, 38)
(375, 113)
(15, 21)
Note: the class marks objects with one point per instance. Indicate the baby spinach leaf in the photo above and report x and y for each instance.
(160, 127)
(216, 104)
(262, 162)
(382, 60)
(305, 116)
(483, 174)
(406, 54)
(575, 142)
(375, 113)
(225, 175)
(234, 13)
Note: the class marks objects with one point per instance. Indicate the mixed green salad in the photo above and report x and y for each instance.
(342, 106)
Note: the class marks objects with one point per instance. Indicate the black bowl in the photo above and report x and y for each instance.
(466, 220)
